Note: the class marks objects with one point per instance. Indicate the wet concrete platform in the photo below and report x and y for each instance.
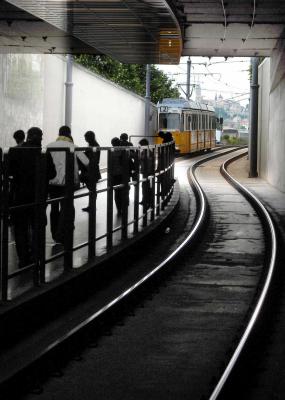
(272, 198)
(21, 284)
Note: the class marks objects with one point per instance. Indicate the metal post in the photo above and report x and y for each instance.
(188, 78)
(39, 238)
(152, 182)
(253, 118)
(136, 190)
(147, 100)
(144, 158)
(68, 210)
(110, 199)
(92, 204)
(5, 227)
(68, 90)
(124, 192)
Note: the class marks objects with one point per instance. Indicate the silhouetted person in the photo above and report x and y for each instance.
(168, 137)
(125, 142)
(146, 170)
(57, 186)
(124, 138)
(23, 167)
(117, 173)
(86, 173)
(19, 137)
(165, 136)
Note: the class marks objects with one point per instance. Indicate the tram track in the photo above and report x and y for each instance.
(138, 293)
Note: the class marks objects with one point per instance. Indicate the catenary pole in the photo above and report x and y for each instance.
(252, 153)
(68, 90)
(188, 78)
(147, 100)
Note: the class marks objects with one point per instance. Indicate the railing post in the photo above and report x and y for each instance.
(125, 192)
(40, 219)
(163, 176)
(136, 190)
(144, 186)
(68, 210)
(92, 205)
(158, 181)
(5, 226)
(152, 182)
(110, 199)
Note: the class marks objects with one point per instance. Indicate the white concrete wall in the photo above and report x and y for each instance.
(21, 94)
(32, 93)
(105, 108)
(272, 100)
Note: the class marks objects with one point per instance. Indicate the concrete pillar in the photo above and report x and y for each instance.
(147, 100)
(252, 151)
(68, 90)
(188, 78)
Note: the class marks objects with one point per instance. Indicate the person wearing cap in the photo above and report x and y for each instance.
(57, 185)
(23, 165)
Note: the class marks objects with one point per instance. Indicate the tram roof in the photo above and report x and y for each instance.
(185, 104)
(148, 31)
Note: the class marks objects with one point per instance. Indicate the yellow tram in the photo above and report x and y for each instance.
(192, 124)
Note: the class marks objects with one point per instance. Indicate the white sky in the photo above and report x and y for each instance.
(230, 77)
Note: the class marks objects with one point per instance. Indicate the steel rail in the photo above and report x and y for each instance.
(257, 204)
(200, 218)
(197, 225)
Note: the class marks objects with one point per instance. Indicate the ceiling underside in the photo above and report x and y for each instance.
(142, 31)
(231, 27)
(132, 31)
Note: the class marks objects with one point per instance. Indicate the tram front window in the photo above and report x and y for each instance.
(169, 121)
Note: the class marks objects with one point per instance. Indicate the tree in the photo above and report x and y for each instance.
(130, 76)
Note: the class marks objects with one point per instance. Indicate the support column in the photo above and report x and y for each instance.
(252, 151)
(147, 100)
(188, 78)
(68, 90)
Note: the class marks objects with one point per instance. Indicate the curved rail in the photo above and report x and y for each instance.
(200, 217)
(256, 203)
(198, 223)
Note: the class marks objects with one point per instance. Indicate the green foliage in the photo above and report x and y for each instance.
(231, 140)
(130, 76)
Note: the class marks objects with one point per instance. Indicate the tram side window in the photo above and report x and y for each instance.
(169, 121)
(187, 122)
(189, 119)
(194, 122)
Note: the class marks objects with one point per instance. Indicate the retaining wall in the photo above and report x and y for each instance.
(32, 93)
(272, 118)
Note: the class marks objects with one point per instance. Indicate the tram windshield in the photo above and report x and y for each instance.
(169, 121)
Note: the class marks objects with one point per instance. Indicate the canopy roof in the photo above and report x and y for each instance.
(142, 31)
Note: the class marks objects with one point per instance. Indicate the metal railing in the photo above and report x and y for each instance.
(151, 174)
